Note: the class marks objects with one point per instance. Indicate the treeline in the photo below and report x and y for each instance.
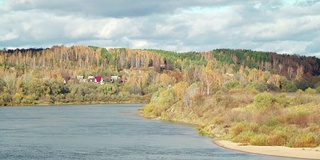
(37, 76)
(48, 76)
(286, 65)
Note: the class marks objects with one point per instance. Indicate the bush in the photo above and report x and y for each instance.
(233, 84)
(163, 100)
(282, 100)
(288, 86)
(273, 87)
(5, 99)
(265, 129)
(305, 140)
(243, 137)
(238, 128)
(259, 140)
(264, 99)
(29, 99)
(291, 88)
(271, 122)
(277, 138)
(2, 85)
(318, 89)
(304, 85)
(218, 120)
(310, 91)
(259, 86)
(228, 102)
(148, 109)
(17, 98)
(300, 98)
(297, 118)
(108, 89)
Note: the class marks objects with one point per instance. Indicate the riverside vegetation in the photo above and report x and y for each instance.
(250, 97)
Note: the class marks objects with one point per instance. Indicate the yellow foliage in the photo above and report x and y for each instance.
(180, 89)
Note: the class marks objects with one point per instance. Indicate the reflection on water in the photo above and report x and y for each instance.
(101, 132)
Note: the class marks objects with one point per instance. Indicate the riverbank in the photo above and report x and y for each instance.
(282, 151)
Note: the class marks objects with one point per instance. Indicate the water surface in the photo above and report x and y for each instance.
(101, 132)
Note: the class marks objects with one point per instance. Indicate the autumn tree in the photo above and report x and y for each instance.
(190, 94)
(208, 76)
(180, 89)
(10, 80)
(138, 79)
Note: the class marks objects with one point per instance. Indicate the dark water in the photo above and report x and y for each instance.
(101, 132)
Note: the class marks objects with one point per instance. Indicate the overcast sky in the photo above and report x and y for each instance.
(283, 26)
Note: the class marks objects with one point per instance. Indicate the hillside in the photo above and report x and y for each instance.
(261, 98)
(49, 76)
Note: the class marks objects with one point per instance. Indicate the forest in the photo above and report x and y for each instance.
(241, 95)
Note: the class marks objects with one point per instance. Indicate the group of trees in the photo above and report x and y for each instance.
(243, 96)
(33, 76)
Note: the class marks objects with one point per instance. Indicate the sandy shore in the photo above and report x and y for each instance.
(305, 153)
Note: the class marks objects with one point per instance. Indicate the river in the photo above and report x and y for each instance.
(102, 132)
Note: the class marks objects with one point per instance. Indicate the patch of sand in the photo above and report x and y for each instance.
(305, 153)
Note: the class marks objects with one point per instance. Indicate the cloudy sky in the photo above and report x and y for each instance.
(283, 26)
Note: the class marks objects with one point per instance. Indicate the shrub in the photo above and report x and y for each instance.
(228, 102)
(265, 129)
(163, 100)
(243, 137)
(254, 127)
(259, 86)
(233, 84)
(297, 118)
(310, 91)
(305, 140)
(259, 140)
(271, 122)
(218, 120)
(282, 100)
(273, 87)
(264, 99)
(291, 88)
(318, 89)
(300, 98)
(238, 128)
(313, 127)
(17, 98)
(29, 99)
(5, 99)
(2, 85)
(303, 85)
(148, 109)
(277, 138)
(288, 86)
(108, 89)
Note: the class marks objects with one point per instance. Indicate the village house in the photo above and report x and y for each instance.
(66, 79)
(91, 79)
(99, 79)
(80, 78)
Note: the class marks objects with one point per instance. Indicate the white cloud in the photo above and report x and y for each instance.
(9, 36)
(183, 25)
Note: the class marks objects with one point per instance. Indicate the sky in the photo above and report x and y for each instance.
(282, 26)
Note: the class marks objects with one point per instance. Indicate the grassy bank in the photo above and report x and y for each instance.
(273, 119)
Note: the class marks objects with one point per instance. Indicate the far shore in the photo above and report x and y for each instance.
(281, 151)
(71, 104)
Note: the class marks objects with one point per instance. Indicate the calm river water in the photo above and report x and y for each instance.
(101, 132)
